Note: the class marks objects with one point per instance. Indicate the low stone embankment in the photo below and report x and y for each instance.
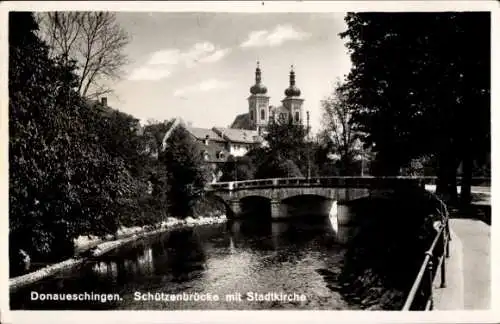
(93, 246)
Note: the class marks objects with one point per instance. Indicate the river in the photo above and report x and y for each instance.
(237, 265)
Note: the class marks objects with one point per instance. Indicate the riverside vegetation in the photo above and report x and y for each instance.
(80, 168)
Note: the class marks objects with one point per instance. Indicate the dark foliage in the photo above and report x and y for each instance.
(385, 256)
(63, 182)
(186, 172)
(419, 89)
(237, 169)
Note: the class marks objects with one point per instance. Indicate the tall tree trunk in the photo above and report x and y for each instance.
(446, 185)
(465, 189)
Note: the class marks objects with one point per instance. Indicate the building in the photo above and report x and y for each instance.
(261, 113)
(239, 141)
(217, 143)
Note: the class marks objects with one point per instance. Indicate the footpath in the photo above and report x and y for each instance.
(468, 273)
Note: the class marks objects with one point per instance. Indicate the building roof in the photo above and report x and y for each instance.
(202, 133)
(238, 135)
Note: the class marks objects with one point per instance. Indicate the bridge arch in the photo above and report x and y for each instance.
(256, 205)
(308, 205)
(214, 196)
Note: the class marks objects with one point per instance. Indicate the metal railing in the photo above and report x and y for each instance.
(421, 295)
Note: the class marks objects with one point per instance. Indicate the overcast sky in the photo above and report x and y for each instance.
(200, 66)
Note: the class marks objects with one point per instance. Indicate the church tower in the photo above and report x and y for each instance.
(258, 103)
(292, 102)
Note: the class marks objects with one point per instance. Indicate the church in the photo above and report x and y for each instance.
(260, 112)
(248, 130)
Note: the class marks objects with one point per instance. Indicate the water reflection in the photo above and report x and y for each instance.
(239, 256)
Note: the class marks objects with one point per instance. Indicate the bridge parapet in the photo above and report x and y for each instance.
(329, 182)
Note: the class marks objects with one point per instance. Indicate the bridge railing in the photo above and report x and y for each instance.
(352, 182)
(421, 295)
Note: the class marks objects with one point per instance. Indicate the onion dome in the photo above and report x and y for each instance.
(292, 90)
(258, 87)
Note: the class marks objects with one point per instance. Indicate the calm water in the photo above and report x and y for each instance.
(224, 261)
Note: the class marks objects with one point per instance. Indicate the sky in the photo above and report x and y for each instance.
(200, 66)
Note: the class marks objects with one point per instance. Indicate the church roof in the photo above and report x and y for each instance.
(238, 135)
(242, 121)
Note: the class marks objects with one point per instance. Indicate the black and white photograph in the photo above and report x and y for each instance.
(248, 160)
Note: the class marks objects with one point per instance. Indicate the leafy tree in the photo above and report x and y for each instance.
(257, 155)
(338, 132)
(414, 83)
(286, 139)
(237, 168)
(383, 85)
(287, 146)
(153, 135)
(277, 167)
(94, 39)
(187, 173)
(62, 183)
(119, 135)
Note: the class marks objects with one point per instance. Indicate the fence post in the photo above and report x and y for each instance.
(448, 237)
(429, 273)
(443, 257)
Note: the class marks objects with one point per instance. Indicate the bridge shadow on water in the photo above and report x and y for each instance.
(266, 234)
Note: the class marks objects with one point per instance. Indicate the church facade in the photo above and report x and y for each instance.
(261, 113)
(247, 131)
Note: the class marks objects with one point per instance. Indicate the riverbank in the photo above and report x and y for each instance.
(92, 246)
(383, 259)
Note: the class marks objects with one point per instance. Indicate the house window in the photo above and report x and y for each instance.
(251, 115)
(262, 114)
(297, 117)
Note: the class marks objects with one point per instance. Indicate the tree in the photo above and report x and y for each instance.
(187, 173)
(287, 141)
(414, 82)
(119, 134)
(237, 168)
(153, 135)
(277, 167)
(94, 39)
(285, 138)
(338, 132)
(62, 182)
(383, 83)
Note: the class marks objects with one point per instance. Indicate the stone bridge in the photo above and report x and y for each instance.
(290, 197)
